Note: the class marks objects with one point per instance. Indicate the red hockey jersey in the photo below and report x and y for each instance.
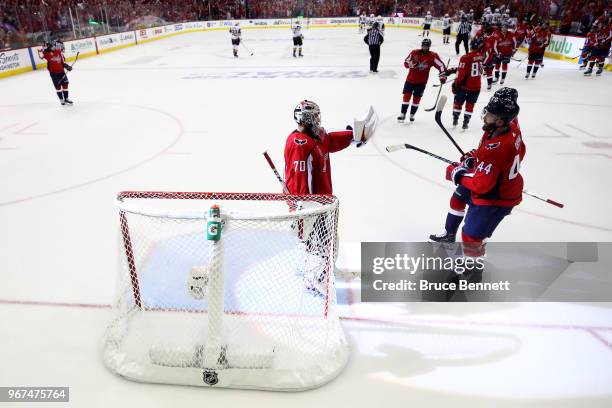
(520, 33)
(495, 178)
(489, 44)
(538, 40)
(590, 39)
(307, 165)
(55, 60)
(469, 71)
(504, 45)
(419, 64)
(603, 37)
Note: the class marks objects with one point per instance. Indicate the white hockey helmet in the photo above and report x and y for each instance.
(429, 13)
(446, 15)
(307, 113)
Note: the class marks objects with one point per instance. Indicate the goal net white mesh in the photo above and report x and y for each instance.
(254, 309)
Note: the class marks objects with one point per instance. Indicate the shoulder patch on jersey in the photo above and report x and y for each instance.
(299, 141)
(517, 142)
(491, 146)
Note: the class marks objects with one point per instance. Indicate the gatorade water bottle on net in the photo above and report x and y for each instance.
(213, 226)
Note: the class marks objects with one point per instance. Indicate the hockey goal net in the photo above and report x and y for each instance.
(255, 308)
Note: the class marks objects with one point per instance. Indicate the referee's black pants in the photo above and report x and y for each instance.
(374, 57)
(462, 38)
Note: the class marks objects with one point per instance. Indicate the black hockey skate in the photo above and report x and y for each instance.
(442, 237)
(401, 118)
(599, 71)
(588, 72)
(67, 102)
(455, 121)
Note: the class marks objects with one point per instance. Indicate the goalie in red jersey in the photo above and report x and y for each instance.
(308, 171)
(488, 178)
(307, 149)
(56, 63)
(419, 62)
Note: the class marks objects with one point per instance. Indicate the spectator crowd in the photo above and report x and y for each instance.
(24, 22)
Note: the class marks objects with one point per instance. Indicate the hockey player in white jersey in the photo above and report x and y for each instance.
(235, 32)
(487, 16)
(446, 28)
(470, 16)
(370, 21)
(297, 40)
(362, 22)
(497, 17)
(381, 24)
(427, 23)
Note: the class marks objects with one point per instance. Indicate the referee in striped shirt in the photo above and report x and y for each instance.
(463, 34)
(374, 39)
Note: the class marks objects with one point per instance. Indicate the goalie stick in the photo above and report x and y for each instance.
(395, 148)
(273, 167)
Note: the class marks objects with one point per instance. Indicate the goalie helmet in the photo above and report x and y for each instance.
(426, 43)
(307, 113)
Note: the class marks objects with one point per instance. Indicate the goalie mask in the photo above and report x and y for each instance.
(308, 114)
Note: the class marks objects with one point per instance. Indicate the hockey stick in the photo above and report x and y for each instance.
(439, 122)
(404, 146)
(273, 167)
(246, 48)
(438, 117)
(395, 148)
(438, 96)
(72, 65)
(437, 85)
(436, 102)
(546, 200)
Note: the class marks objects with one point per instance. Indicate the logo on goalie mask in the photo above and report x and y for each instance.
(210, 377)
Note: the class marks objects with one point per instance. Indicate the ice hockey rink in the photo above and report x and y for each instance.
(181, 114)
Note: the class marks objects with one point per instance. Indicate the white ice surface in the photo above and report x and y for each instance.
(182, 114)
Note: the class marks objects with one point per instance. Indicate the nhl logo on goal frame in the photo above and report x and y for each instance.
(210, 377)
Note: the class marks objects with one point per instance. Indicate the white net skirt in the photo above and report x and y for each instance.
(256, 309)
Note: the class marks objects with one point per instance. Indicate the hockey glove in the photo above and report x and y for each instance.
(454, 88)
(454, 173)
(67, 67)
(442, 78)
(364, 129)
(469, 159)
